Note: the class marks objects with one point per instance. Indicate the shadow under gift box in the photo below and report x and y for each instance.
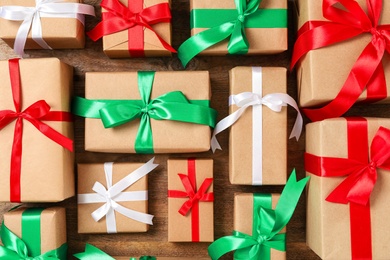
(47, 170)
(168, 136)
(58, 33)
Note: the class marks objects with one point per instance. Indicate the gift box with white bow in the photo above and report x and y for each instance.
(113, 197)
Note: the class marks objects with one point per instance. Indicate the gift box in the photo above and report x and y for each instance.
(220, 27)
(51, 17)
(190, 200)
(36, 131)
(260, 133)
(113, 197)
(149, 35)
(34, 232)
(174, 119)
(346, 199)
(326, 70)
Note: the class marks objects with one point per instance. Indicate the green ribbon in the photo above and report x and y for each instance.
(225, 23)
(29, 247)
(267, 223)
(93, 253)
(170, 106)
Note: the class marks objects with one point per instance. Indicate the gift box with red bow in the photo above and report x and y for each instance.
(348, 161)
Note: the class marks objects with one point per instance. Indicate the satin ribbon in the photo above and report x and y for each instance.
(29, 247)
(31, 17)
(35, 114)
(254, 99)
(367, 72)
(170, 106)
(115, 193)
(267, 223)
(119, 18)
(194, 196)
(232, 27)
(360, 169)
(93, 253)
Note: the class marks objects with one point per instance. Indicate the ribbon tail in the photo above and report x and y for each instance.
(14, 247)
(136, 215)
(21, 36)
(226, 244)
(93, 253)
(36, 32)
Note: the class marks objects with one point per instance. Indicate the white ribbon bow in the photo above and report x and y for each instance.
(244, 100)
(114, 194)
(31, 17)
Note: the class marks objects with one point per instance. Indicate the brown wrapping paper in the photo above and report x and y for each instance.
(328, 224)
(322, 73)
(53, 226)
(116, 45)
(274, 130)
(243, 218)
(88, 174)
(71, 34)
(261, 40)
(168, 136)
(179, 226)
(47, 173)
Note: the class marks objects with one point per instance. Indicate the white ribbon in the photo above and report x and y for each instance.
(31, 17)
(255, 99)
(114, 193)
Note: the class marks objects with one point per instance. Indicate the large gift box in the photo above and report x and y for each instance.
(147, 112)
(36, 131)
(37, 233)
(347, 200)
(334, 45)
(190, 200)
(59, 23)
(113, 197)
(221, 27)
(135, 28)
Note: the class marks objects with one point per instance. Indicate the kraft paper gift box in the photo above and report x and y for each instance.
(338, 228)
(128, 209)
(322, 72)
(272, 143)
(69, 36)
(168, 136)
(116, 45)
(196, 223)
(46, 167)
(40, 232)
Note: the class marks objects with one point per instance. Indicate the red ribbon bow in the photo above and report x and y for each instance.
(119, 18)
(368, 71)
(35, 114)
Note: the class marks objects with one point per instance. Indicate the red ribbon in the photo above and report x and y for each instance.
(361, 177)
(368, 70)
(133, 18)
(194, 197)
(35, 114)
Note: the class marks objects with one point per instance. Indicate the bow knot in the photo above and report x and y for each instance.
(241, 18)
(261, 239)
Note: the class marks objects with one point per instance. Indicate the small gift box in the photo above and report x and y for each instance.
(36, 131)
(149, 112)
(259, 224)
(190, 200)
(330, 76)
(223, 27)
(34, 24)
(256, 130)
(29, 233)
(115, 196)
(348, 161)
(134, 28)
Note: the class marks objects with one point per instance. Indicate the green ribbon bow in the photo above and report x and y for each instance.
(170, 106)
(267, 224)
(93, 253)
(224, 23)
(29, 247)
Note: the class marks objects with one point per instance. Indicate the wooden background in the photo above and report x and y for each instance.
(154, 242)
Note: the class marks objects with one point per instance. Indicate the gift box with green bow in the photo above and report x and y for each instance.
(34, 233)
(223, 27)
(146, 112)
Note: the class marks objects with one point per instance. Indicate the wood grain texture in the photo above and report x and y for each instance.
(154, 242)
